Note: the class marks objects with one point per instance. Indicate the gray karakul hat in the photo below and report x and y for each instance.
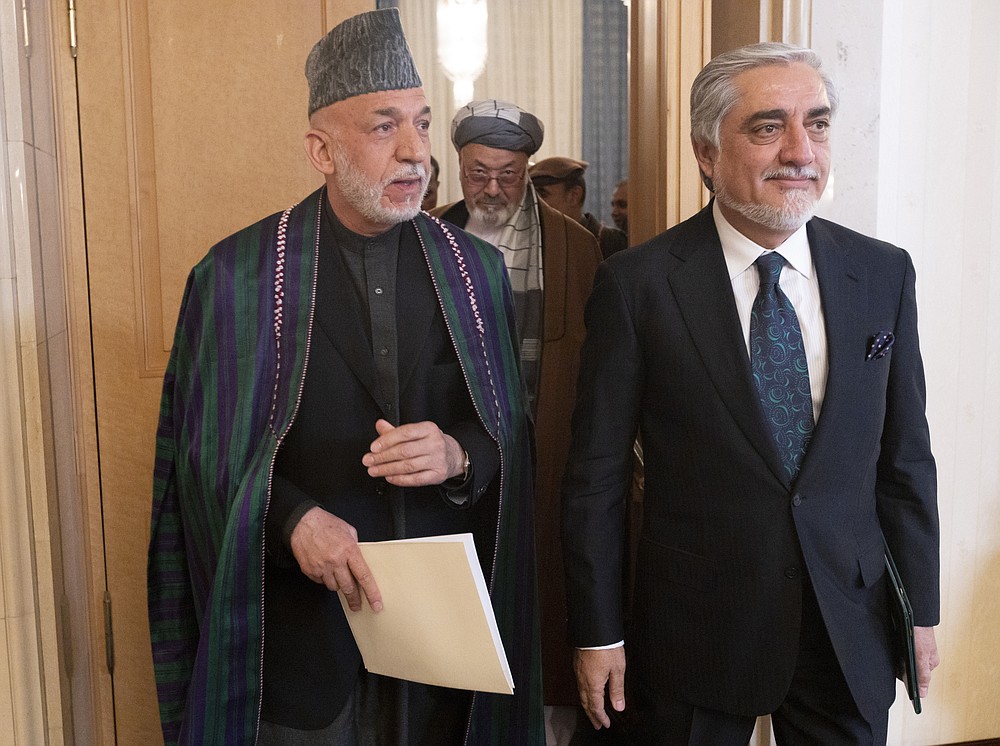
(364, 54)
(497, 124)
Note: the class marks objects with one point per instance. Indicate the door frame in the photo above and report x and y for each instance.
(97, 696)
(670, 41)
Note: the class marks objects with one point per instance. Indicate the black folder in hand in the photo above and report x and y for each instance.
(902, 632)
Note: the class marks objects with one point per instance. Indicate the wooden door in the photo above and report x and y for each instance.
(191, 122)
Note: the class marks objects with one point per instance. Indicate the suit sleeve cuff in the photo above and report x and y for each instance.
(612, 646)
(286, 507)
(484, 463)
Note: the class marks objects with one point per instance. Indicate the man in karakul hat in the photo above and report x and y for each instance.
(552, 261)
(407, 421)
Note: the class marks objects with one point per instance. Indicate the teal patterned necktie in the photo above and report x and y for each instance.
(778, 362)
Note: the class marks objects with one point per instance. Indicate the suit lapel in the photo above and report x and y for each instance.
(705, 297)
(843, 293)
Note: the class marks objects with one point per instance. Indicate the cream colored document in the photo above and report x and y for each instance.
(437, 624)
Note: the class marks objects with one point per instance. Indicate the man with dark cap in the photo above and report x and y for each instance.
(551, 260)
(408, 421)
(561, 183)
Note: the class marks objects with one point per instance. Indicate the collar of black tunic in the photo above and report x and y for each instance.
(347, 240)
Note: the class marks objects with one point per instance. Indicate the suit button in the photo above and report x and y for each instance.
(791, 572)
(380, 489)
(796, 501)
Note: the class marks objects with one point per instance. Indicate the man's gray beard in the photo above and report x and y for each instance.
(495, 217)
(366, 197)
(795, 212)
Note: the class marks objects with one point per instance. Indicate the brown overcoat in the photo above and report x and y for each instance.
(570, 255)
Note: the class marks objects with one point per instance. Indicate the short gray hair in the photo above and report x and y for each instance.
(713, 93)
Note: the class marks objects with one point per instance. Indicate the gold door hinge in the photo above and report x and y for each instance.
(24, 23)
(109, 634)
(72, 27)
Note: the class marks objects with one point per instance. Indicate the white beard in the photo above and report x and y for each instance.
(493, 215)
(796, 211)
(797, 208)
(366, 197)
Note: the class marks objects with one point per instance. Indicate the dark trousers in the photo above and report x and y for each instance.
(384, 712)
(343, 731)
(818, 709)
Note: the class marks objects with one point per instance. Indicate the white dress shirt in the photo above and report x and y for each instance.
(798, 282)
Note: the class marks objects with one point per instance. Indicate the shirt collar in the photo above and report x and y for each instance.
(348, 240)
(741, 252)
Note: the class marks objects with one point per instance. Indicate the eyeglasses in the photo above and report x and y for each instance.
(481, 177)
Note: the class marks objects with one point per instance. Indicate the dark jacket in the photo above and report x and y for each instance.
(727, 542)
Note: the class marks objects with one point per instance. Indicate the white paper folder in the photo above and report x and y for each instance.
(437, 624)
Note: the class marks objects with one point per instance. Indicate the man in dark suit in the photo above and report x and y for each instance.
(770, 362)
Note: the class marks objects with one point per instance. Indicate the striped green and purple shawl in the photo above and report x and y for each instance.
(229, 394)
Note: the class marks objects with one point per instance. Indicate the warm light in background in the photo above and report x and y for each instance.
(462, 48)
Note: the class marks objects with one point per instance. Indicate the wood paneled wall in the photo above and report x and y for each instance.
(670, 43)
